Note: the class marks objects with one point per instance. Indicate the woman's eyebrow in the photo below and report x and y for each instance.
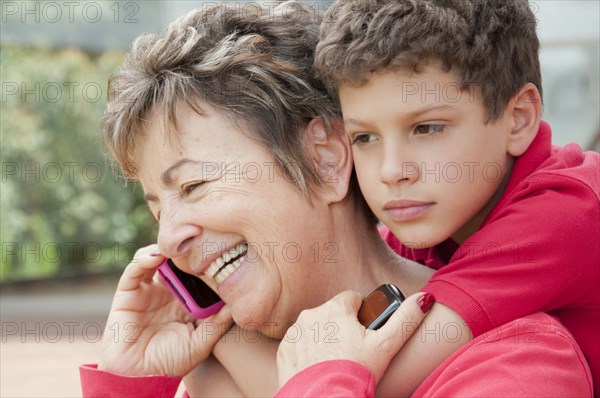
(149, 197)
(167, 178)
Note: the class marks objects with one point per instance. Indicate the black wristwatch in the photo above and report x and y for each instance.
(379, 305)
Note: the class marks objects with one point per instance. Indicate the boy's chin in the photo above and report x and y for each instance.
(418, 240)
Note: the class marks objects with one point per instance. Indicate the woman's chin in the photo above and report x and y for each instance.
(248, 316)
(251, 323)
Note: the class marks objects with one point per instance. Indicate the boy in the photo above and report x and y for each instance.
(442, 103)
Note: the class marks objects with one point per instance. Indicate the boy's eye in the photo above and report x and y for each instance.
(429, 129)
(363, 138)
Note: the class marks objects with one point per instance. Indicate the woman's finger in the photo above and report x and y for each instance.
(141, 268)
(209, 331)
(349, 300)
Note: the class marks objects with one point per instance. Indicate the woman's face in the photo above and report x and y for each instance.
(218, 195)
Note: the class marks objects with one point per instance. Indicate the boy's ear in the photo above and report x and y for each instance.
(526, 111)
(332, 157)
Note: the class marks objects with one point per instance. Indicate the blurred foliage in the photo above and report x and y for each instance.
(63, 209)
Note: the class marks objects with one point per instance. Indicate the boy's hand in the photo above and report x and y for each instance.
(148, 332)
(332, 331)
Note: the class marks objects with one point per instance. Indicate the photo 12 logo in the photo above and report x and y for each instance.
(69, 11)
(51, 92)
(54, 172)
(51, 332)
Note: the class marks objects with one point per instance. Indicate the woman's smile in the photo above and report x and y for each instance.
(227, 263)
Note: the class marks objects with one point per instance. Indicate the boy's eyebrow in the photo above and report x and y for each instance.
(354, 121)
(426, 108)
(413, 114)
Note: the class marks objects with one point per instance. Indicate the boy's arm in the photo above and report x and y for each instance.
(531, 356)
(441, 334)
(211, 379)
(250, 359)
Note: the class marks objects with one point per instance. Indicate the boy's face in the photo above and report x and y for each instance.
(427, 163)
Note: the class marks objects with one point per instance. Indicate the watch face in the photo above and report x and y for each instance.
(378, 306)
(372, 306)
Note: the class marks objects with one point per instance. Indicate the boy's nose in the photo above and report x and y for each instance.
(176, 233)
(396, 169)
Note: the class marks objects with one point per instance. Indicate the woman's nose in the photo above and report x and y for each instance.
(176, 233)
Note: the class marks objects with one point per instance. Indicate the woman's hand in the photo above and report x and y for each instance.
(148, 332)
(332, 331)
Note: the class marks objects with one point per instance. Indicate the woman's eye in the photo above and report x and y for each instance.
(189, 188)
(363, 138)
(429, 129)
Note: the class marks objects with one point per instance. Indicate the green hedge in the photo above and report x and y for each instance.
(62, 208)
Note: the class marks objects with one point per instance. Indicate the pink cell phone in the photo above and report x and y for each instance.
(195, 295)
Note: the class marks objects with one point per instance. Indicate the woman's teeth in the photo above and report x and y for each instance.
(225, 265)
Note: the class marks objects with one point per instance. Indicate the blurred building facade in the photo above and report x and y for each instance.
(569, 31)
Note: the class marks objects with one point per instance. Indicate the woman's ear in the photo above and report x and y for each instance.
(332, 157)
(526, 111)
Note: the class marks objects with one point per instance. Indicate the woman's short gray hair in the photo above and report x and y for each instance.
(255, 65)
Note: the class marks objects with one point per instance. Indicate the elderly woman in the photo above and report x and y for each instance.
(246, 167)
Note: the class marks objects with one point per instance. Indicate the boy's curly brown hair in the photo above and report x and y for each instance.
(491, 45)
